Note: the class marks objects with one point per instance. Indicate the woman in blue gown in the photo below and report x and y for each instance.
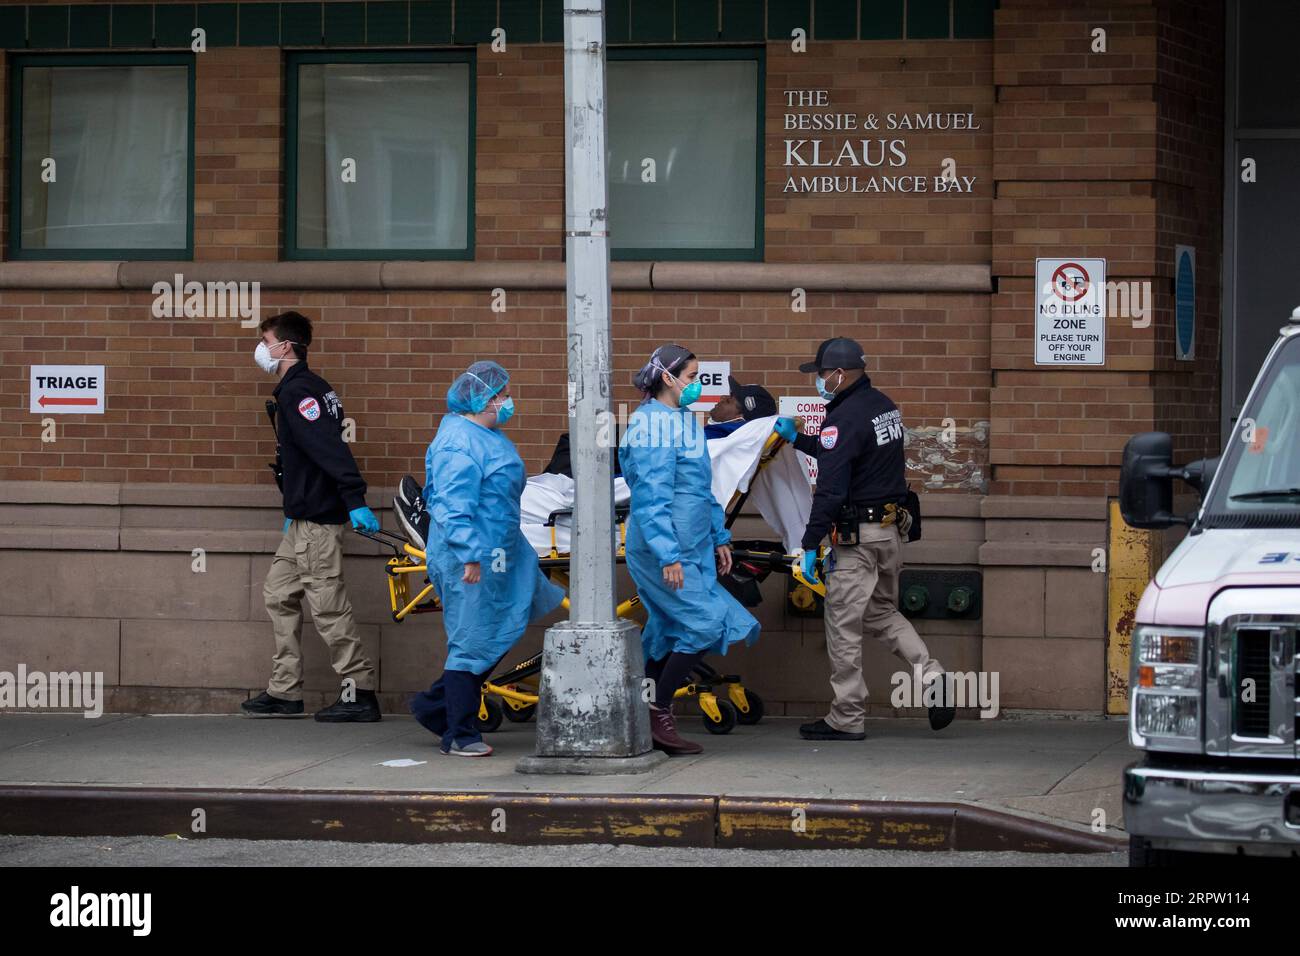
(483, 568)
(676, 541)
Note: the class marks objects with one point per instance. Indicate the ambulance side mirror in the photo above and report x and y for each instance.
(1146, 482)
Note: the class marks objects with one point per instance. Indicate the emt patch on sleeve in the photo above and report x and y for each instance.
(828, 437)
(309, 409)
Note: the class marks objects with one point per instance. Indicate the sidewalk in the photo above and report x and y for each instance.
(1041, 770)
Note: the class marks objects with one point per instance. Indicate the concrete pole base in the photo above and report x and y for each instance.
(591, 766)
(591, 717)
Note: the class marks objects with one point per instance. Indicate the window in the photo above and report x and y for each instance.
(697, 113)
(380, 156)
(1260, 482)
(103, 153)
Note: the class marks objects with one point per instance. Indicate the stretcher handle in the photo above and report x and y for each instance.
(774, 560)
(620, 513)
(386, 538)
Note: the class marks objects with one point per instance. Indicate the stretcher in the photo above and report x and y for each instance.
(512, 693)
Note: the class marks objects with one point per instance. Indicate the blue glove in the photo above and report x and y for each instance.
(364, 519)
(785, 428)
(808, 564)
(287, 522)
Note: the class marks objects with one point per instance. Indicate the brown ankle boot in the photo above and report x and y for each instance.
(663, 730)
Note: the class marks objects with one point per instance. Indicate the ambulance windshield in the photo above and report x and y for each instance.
(1259, 484)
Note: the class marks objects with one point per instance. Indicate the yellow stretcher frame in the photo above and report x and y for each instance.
(521, 695)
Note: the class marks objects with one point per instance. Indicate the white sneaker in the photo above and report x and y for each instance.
(476, 749)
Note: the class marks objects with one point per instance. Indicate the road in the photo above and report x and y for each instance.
(161, 851)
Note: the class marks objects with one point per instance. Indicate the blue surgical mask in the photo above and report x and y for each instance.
(823, 390)
(505, 410)
(690, 393)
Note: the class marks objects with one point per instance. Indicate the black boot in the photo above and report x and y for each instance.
(364, 710)
(264, 705)
(942, 713)
(820, 730)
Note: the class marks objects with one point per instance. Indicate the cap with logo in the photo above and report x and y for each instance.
(836, 353)
(755, 401)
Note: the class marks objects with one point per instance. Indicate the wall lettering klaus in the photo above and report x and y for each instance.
(886, 151)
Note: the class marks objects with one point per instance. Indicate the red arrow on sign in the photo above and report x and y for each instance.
(43, 401)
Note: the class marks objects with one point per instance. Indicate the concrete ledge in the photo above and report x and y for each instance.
(1038, 555)
(363, 276)
(202, 496)
(819, 277)
(532, 818)
(940, 551)
(59, 275)
(334, 274)
(1007, 506)
(59, 492)
(57, 538)
(954, 505)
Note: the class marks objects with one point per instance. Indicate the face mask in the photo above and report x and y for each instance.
(690, 393)
(823, 390)
(505, 411)
(263, 357)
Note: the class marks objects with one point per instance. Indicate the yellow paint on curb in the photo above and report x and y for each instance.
(1131, 562)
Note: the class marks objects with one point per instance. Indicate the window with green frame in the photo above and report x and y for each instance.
(697, 112)
(102, 161)
(380, 155)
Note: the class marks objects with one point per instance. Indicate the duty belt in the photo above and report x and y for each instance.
(884, 513)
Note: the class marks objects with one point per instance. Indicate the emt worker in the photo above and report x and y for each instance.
(483, 568)
(676, 541)
(323, 491)
(861, 491)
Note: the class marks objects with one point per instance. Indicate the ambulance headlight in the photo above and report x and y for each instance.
(1165, 688)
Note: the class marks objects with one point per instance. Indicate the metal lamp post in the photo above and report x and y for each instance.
(591, 716)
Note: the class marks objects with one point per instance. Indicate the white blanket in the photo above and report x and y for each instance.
(780, 493)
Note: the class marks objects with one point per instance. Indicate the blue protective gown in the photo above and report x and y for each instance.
(473, 479)
(675, 518)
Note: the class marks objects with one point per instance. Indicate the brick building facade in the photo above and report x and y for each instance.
(1073, 153)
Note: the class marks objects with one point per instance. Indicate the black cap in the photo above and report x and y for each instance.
(836, 353)
(755, 401)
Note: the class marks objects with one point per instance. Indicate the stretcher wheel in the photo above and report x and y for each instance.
(727, 713)
(755, 713)
(492, 721)
(521, 716)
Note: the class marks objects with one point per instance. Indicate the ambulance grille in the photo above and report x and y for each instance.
(1253, 666)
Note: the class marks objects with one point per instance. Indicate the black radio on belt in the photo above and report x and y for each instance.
(276, 467)
(886, 513)
(852, 515)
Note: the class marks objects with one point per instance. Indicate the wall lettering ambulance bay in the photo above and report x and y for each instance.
(871, 141)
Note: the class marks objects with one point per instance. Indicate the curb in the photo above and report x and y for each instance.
(533, 818)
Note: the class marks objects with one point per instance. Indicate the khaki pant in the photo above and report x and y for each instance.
(862, 593)
(310, 561)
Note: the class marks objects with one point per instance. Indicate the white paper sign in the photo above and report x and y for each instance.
(812, 410)
(66, 390)
(1070, 312)
(713, 376)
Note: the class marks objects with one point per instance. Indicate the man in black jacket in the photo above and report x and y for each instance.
(323, 491)
(861, 492)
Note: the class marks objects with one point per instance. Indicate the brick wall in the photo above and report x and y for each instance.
(1109, 155)
(185, 401)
